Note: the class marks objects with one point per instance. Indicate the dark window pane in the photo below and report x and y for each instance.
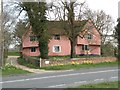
(57, 37)
(33, 49)
(89, 36)
(85, 47)
(56, 49)
(33, 38)
(82, 47)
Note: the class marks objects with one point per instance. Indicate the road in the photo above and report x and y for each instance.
(62, 79)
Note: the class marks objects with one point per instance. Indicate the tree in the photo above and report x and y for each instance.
(103, 23)
(65, 12)
(118, 36)
(36, 12)
(20, 29)
(6, 34)
(108, 49)
(7, 22)
(101, 20)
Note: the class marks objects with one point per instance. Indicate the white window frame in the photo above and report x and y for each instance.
(84, 49)
(31, 49)
(54, 49)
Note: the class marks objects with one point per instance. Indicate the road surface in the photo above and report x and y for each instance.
(62, 79)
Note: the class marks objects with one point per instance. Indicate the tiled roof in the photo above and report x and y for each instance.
(57, 27)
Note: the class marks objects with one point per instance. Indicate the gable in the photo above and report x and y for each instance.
(89, 28)
(94, 28)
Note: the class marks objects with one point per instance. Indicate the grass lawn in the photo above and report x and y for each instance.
(114, 84)
(11, 70)
(99, 86)
(78, 66)
(13, 53)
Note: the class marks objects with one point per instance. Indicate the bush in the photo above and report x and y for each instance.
(29, 62)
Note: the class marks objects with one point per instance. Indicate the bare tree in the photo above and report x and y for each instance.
(5, 40)
(68, 11)
(20, 29)
(102, 22)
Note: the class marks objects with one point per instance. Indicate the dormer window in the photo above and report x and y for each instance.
(33, 38)
(89, 36)
(56, 37)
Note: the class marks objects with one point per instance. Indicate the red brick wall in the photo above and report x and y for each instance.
(78, 61)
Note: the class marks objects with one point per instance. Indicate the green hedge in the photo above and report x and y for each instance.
(13, 53)
(29, 62)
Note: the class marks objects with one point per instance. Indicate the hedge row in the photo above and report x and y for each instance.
(32, 60)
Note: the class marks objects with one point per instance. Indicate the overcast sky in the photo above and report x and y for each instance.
(109, 6)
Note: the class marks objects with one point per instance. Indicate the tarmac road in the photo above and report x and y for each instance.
(61, 79)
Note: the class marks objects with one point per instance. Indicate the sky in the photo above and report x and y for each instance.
(109, 6)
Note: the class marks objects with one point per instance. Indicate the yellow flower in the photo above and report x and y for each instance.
(73, 62)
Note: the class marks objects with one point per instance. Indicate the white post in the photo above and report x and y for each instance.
(40, 62)
(11, 62)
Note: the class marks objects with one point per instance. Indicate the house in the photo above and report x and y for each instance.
(59, 44)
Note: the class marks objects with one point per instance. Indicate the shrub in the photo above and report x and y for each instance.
(29, 62)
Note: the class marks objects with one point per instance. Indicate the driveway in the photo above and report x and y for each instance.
(13, 61)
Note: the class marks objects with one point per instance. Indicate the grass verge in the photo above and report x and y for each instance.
(114, 84)
(11, 70)
(99, 86)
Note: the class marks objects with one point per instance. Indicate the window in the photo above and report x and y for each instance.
(82, 47)
(33, 49)
(85, 47)
(57, 37)
(33, 38)
(56, 49)
(89, 36)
